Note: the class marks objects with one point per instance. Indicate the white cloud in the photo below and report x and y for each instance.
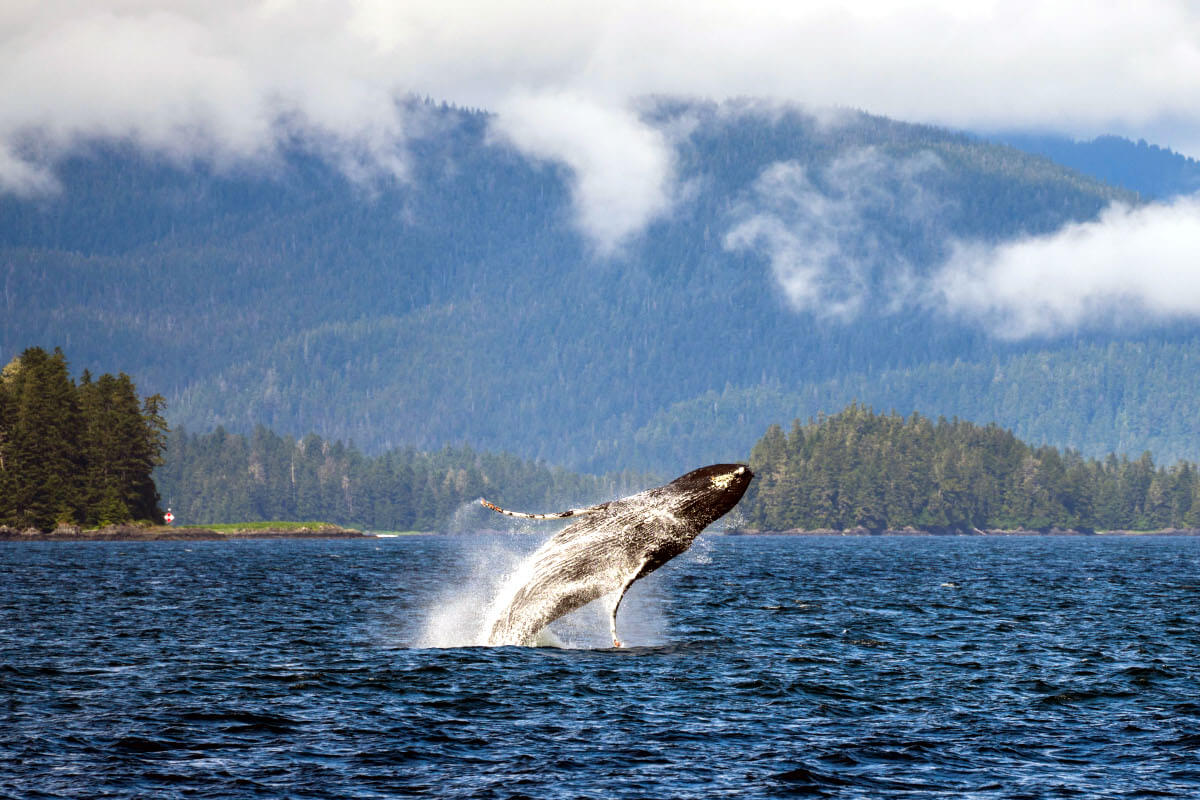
(214, 80)
(622, 169)
(821, 235)
(23, 178)
(1129, 267)
(230, 79)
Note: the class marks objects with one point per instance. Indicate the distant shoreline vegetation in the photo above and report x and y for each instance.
(212, 477)
(873, 472)
(855, 471)
(211, 533)
(90, 454)
(75, 453)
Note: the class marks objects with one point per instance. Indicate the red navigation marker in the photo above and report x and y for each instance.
(169, 517)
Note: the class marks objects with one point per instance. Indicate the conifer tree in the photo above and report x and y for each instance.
(42, 459)
(75, 453)
(857, 468)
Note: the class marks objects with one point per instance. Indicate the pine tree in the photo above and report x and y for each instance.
(42, 459)
(857, 468)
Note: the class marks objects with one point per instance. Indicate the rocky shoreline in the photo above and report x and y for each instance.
(940, 531)
(150, 533)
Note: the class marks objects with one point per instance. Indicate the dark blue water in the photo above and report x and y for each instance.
(840, 667)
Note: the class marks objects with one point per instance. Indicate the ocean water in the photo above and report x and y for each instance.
(757, 667)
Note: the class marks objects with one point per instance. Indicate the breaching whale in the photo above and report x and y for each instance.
(613, 545)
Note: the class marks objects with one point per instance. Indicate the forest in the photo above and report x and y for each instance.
(91, 452)
(465, 304)
(860, 469)
(223, 477)
(75, 452)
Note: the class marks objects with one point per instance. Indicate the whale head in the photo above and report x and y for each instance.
(712, 491)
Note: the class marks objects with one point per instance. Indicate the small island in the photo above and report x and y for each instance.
(211, 533)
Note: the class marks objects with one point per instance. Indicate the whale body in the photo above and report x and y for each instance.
(610, 547)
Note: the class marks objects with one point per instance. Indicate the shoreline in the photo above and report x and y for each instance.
(912, 531)
(159, 533)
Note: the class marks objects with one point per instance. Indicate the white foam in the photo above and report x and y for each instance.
(462, 615)
(458, 616)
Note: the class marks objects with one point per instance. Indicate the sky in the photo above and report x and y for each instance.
(231, 77)
(230, 80)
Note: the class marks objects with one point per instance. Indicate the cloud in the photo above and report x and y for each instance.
(229, 79)
(1131, 266)
(836, 238)
(822, 233)
(218, 81)
(622, 169)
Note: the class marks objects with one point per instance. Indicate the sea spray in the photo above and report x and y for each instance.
(609, 547)
(495, 564)
(457, 616)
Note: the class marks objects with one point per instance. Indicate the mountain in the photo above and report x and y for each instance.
(1153, 172)
(461, 304)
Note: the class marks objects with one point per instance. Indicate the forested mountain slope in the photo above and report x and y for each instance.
(462, 304)
(1145, 168)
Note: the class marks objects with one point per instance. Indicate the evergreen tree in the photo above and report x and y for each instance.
(42, 460)
(75, 453)
(860, 469)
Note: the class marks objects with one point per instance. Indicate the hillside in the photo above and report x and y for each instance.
(858, 469)
(462, 304)
(1149, 170)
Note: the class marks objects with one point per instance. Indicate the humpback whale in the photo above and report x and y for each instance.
(610, 547)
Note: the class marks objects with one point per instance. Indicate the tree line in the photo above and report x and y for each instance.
(230, 477)
(862, 469)
(75, 452)
(90, 452)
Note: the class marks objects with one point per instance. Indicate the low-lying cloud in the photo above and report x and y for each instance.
(1130, 267)
(227, 79)
(822, 234)
(835, 238)
(622, 170)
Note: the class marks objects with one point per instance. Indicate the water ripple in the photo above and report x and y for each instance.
(821, 667)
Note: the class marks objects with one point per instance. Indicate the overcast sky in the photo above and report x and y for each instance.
(228, 79)
(223, 74)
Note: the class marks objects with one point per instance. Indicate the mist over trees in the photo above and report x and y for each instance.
(861, 469)
(76, 453)
(464, 305)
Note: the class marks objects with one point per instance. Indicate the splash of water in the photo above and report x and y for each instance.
(457, 616)
(462, 615)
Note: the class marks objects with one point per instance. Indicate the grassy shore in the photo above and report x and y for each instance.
(225, 531)
(275, 525)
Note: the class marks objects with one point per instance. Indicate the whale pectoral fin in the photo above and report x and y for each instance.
(570, 512)
(612, 619)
